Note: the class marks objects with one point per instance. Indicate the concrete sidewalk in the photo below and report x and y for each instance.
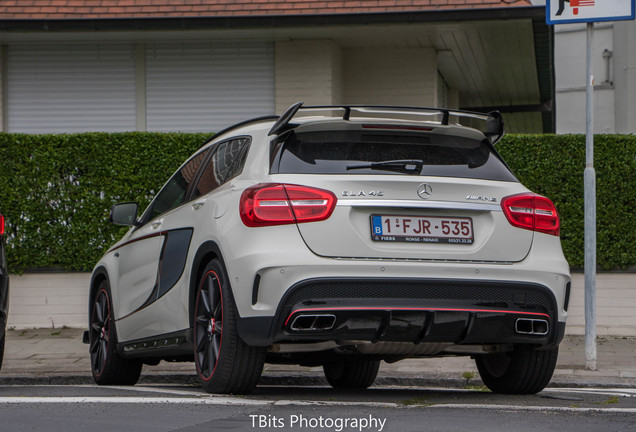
(58, 356)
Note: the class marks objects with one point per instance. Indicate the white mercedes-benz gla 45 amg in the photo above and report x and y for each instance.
(336, 237)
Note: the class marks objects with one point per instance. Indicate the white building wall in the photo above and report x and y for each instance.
(615, 303)
(624, 62)
(338, 83)
(45, 300)
(308, 71)
(406, 77)
(570, 68)
(614, 88)
(321, 73)
(571, 112)
(48, 300)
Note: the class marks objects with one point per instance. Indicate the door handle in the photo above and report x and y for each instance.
(156, 224)
(197, 205)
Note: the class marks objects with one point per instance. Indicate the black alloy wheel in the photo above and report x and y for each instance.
(224, 363)
(107, 365)
(2, 347)
(208, 325)
(100, 333)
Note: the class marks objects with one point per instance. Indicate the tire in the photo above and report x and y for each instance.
(107, 366)
(2, 348)
(521, 371)
(224, 363)
(359, 374)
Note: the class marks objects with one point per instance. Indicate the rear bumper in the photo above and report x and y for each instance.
(459, 312)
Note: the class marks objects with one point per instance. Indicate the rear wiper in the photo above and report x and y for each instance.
(408, 165)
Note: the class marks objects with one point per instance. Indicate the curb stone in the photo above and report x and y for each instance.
(315, 380)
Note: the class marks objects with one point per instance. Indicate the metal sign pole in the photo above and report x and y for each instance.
(590, 213)
(557, 12)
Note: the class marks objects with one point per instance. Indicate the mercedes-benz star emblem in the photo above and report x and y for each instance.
(425, 191)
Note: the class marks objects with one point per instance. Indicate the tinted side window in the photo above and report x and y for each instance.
(227, 162)
(363, 152)
(174, 192)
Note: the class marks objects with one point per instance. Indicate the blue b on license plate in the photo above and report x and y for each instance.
(422, 229)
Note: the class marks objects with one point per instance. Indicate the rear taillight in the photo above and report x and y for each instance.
(533, 212)
(1, 225)
(280, 204)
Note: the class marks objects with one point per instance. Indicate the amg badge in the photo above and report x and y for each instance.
(481, 198)
(363, 193)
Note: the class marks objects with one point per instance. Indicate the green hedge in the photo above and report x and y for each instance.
(552, 165)
(56, 190)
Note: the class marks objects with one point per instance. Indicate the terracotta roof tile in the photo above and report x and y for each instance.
(109, 9)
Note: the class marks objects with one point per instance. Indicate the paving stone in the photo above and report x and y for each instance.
(58, 356)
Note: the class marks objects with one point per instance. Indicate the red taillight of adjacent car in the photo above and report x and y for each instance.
(1, 225)
(532, 212)
(280, 204)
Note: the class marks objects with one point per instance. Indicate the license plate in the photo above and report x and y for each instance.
(422, 229)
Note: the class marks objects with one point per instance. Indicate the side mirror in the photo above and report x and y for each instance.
(124, 213)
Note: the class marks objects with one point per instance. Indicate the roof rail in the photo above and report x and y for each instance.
(494, 127)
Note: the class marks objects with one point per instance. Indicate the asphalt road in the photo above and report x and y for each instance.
(302, 409)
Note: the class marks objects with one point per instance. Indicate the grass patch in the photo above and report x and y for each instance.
(481, 388)
(468, 375)
(610, 401)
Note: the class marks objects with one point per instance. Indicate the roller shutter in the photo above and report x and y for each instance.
(203, 87)
(69, 88)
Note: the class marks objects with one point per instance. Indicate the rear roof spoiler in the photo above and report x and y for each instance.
(493, 127)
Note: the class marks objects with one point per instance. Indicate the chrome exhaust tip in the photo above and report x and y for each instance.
(313, 322)
(538, 327)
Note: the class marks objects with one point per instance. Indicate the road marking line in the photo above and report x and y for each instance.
(626, 392)
(534, 408)
(208, 400)
(162, 390)
(130, 400)
(252, 402)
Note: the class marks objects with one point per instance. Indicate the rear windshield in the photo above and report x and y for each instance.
(360, 152)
